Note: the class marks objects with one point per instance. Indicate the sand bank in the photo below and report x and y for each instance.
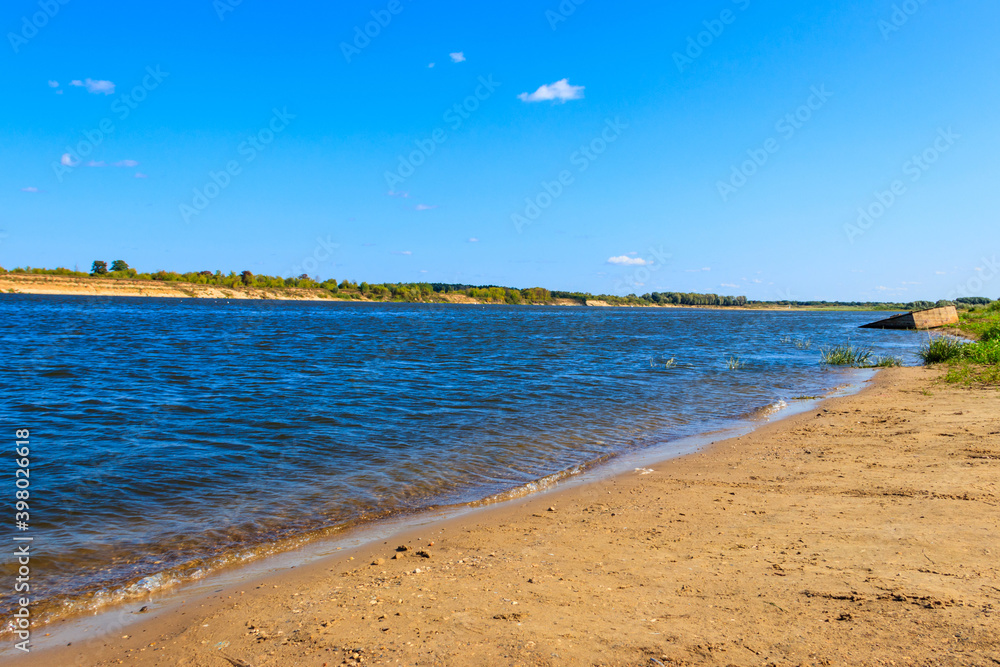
(863, 532)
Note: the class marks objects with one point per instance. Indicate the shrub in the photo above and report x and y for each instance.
(991, 334)
(886, 362)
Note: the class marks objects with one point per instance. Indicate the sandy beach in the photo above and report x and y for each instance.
(861, 532)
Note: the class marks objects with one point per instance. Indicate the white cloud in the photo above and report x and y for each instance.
(424, 207)
(625, 260)
(393, 193)
(730, 285)
(402, 252)
(53, 84)
(139, 174)
(431, 66)
(941, 273)
(67, 160)
(95, 163)
(94, 86)
(127, 163)
(458, 57)
(560, 91)
(30, 189)
(473, 240)
(707, 268)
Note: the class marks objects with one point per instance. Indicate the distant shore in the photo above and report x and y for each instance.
(856, 533)
(17, 283)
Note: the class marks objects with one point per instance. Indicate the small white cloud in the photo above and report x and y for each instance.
(402, 252)
(941, 273)
(560, 91)
(30, 189)
(393, 193)
(127, 163)
(67, 160)
(730, 285)
(424, 207)
(95, 163)
(625, 260)
(473, 240)
(139, 174)
(707, 268)
(457, 57)
(94, 86)
(53, 84)
(431, 66)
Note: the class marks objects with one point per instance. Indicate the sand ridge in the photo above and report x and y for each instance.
(864, 532)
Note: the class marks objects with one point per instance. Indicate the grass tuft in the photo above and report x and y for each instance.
(942, 349)
(735, 364)
(847, 355)
(886, 361)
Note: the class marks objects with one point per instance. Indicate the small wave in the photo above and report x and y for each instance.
(765, 412)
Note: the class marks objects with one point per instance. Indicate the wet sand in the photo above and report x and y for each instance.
(863, 532)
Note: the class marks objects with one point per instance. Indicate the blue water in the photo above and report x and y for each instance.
(172, 436)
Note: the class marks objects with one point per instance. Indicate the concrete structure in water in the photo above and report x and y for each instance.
(931, 318)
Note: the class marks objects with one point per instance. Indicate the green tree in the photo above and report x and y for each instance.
(247, 278)
(99, 268)
(119, 265)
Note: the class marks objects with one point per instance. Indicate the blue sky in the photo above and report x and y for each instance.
(725, 146)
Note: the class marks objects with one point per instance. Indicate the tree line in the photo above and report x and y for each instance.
(438, 292)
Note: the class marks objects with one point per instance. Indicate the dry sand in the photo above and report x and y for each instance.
(864, 532)
(66, 285)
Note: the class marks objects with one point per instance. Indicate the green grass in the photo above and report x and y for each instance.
(886, 361)
(941, 349)
(735, 364)
(847, 355)
(972, 374)
(970, 363)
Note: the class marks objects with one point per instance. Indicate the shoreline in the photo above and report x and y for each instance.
(246, 562)
(545, 571)
(49, 285)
